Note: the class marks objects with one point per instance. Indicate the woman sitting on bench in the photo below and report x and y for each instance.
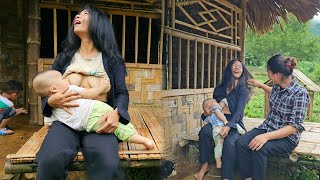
(281, 130)
(90, 43)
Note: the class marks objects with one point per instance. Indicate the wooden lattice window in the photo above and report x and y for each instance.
(137, 36)
(201, 38)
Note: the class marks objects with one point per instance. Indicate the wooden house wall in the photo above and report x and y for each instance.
(12, 43)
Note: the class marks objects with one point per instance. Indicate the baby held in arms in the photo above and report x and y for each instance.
(86, 117)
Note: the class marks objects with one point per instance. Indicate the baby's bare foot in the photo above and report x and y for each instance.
(149, 144)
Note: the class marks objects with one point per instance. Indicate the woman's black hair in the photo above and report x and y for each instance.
(281, 64)
(101, 33)
(228, 80)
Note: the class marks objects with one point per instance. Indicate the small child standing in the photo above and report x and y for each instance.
(9, 92)
(87, 115)
(213, 114)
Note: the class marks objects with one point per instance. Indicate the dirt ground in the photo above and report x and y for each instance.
(12, 143)
(185, 171)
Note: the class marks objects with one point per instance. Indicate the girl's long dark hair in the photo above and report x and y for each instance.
(228, 79)
(101, 33)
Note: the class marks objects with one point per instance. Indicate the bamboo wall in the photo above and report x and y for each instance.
(200, 38)
(12, 44)
(182, 111)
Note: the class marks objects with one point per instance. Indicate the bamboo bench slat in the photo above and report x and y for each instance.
(127, 151)
(309, 143)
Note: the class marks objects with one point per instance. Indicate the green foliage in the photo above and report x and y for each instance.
(293, 172)
(255, 106)
(294, 39)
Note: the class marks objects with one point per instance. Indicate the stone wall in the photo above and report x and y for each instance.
(12, 43)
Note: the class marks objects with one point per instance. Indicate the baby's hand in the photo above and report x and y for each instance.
(105, 83)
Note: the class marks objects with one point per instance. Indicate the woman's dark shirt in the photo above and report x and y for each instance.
(237, 100)
(118, 96)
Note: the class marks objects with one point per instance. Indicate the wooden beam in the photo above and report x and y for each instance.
(194, 37)
(152, 13)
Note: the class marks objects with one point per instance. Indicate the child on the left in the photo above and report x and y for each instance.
(9, 93)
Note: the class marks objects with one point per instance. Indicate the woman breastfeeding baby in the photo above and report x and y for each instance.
(90, 52)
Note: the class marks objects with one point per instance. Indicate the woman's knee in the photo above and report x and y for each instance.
(206, 132)
(56, 159)
(241, 142)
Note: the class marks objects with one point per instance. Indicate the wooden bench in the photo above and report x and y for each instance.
(147, 121)
(307, 152)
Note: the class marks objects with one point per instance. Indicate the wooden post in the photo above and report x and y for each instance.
(195, 65)
(202, 66)
(149, 41)
(173, 13)
(161, 31)
(136, 40)
(242, 30)
(188, 64)
(179, 65)
(215, 66)
(55, 35)
(170, 63)
(124, 37)
(33, 54)
(209, 65)
(310, 107)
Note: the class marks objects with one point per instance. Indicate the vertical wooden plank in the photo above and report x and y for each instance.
(231, 55)
(310, 107)
(32, 55)
(188, 65)
(232, 27)
(55, 36)
(209, 65)
(236, 29)
(179, 65)
(110, 18)
(149, 41)
(202, 66)
(161, 31)
(69, 19)
(242, 32)
(170, 63)
(215, 65)
(195, 68)
(136, 41)
(124, 37)
(173, 9)
(220, 72)
(226, 59)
